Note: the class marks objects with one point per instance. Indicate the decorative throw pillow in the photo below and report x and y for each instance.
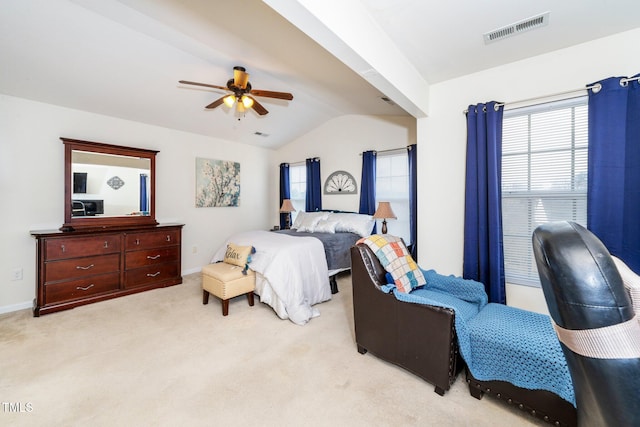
(360, 224)
(300, 216)
(396, 260)
(239, 255)
(326, 226)
(310, 220)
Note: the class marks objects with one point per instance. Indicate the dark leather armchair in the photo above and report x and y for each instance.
(418, 338)
(584, 291)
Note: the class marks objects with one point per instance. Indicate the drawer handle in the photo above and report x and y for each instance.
(63, 248)
(168, 238)
(80, 288)
(79, 267)
(137, 241)
(153, 257)
(153, 275)
(106, 244)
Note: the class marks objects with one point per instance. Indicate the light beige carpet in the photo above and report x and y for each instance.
(162, 358)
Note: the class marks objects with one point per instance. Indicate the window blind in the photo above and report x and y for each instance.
(544, 177)
(392, 185)
(298, 188)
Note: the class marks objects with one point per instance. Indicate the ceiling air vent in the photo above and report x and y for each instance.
(517, 28)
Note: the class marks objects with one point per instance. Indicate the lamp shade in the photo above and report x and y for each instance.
(247, 101)
(229, 100)
(287, 206)
(384, 211)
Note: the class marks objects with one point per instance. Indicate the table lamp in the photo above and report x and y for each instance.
(385, 212)
(287, 208)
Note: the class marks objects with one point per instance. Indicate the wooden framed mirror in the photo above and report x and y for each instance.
(107, 186)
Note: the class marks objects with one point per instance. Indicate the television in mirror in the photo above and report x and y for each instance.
(79, 182)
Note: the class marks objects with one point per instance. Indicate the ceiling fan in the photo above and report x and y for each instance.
(242, 93)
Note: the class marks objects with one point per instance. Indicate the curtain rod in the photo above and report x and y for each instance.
(388, 150)
(302, 162)
(596, 88)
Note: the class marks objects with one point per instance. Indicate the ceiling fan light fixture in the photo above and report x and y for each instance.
(229, 100)
(247, 101)
(242, 93)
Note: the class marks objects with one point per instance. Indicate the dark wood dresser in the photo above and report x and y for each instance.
(87, 266)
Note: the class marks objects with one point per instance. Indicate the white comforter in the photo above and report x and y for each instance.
(291, 272)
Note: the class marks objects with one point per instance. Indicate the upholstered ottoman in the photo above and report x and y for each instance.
(226, 281)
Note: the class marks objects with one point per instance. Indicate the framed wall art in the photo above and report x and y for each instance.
(217, 183)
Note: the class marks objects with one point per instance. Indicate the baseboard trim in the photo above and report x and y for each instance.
(29, 304)
(16, 307)
(191, 271)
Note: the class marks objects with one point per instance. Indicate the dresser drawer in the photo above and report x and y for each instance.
(153, 239)
(72, 247)
(81, 267)
(85, 266)
(151, 274)
(81, 288)
(137, 259)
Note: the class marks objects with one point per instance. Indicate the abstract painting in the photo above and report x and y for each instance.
(217, 183)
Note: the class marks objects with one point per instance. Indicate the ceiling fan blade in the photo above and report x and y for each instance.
(185, 82)
(258, 108)
(215, 103)
(272, 94)
(240, 77)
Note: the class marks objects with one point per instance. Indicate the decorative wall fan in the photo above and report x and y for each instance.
(340, 182)
(242, 93)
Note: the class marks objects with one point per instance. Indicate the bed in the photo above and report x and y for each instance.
(296, 269)
(336, 250)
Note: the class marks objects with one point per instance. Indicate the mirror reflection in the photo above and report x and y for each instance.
(109, 185)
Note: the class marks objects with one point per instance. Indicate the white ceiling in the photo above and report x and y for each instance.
(124, 58)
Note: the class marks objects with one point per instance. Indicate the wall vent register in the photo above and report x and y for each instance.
(528, 24)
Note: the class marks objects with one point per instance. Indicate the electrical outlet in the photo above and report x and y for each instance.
(194, 250)
(17, 274)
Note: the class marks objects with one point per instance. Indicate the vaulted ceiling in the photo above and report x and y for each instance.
(124, 58)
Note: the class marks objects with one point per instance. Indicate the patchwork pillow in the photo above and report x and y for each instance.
(396, 260)
(359, 224)
(239, 255)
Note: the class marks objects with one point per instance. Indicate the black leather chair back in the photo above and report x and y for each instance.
(584, 290)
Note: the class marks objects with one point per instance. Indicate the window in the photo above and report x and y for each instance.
(544, 177)
(392, 185)
(298, 188)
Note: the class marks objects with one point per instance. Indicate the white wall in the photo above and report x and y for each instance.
(32, 184)
(442, 138)
(339, 143)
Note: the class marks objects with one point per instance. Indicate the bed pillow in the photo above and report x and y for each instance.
(310, 220)
(306, 218)
(300, 216)
(326, 226)
(239, 255)
(359, 224)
